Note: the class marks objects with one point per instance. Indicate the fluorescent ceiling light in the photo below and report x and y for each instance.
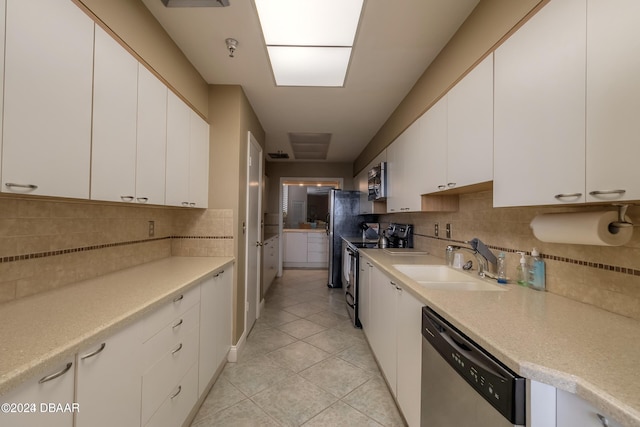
(309, 41)
(309, 66)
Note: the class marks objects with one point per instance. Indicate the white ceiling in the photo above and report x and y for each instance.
(396, 41)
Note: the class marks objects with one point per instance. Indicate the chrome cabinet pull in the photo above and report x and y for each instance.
(142, 199)
(606, 192)
(603, 420)
(178, 324)
(178, 298)
(177, 349)
(177, 392)
(441, 187)
(192, 204)
(27, 186)
(451, 184)
(185, 204)
(93, 353)
(127, 198)
(56, 374)
(567, 195)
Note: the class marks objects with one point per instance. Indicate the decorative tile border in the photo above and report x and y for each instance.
(598, 265)
(97, 247)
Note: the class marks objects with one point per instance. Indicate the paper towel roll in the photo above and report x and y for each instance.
(582, 228)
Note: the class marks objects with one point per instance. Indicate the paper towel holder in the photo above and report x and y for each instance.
(622, 222)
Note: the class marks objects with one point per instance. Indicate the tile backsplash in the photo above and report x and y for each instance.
(45, 243)
(603, 276)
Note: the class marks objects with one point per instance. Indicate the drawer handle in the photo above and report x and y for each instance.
(603, 420)
(451, 184)
(177, 392)
(56, 374)
(27, 186)
(93, 353)
(177, 349)
(192, 204)
(185, 204)
(142, 199)
(606, 192)
(441, 187)
(178, 324)
(127, 198)
(567, 195)
(177, 299)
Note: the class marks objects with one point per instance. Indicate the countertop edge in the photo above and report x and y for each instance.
(52, 358)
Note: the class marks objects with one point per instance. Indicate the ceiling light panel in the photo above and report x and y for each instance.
(309, 66)
(309, 22)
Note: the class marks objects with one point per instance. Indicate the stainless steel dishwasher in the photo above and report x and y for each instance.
(462, 384)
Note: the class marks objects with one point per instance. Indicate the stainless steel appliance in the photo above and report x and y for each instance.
(377, 182)
(342, 220)
(399, 235)
(350, 269)
(462, 384)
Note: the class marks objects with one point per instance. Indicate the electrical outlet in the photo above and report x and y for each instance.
(448, 229)
(152, 228)
(436, 229)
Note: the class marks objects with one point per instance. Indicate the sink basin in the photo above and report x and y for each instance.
(441, 277)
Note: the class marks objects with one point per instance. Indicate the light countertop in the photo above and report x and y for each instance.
(304, 230)
(542, 336)
(37, 333)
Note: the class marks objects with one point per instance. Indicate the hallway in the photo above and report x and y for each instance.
(303, 364)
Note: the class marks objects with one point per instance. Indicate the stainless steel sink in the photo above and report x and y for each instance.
(441, 277)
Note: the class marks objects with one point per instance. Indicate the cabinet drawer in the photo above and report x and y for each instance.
(169, 337)
(163, 377)
(317, 247)
(317, 238)
(170, 312)
(178, 403)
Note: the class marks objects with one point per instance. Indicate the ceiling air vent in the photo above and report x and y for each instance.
(279, 155)
(195, 3)
(310, 146)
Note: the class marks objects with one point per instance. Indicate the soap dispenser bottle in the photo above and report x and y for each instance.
(537, 276)
(522, 271)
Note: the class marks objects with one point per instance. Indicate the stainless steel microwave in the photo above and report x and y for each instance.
(378, 182)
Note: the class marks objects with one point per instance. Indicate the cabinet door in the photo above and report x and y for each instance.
(198, 162)
(362, 184)
(364, 294)
(383, 336)
(47, 99)
(109, 375)
(113, 149)
(613, 100)
(572, 411)
(539, 111)
(434, 137)
(409, 330)
(414, 152)
(49, 388)
(470, 127)
(395, 175)
(178, 137)
(295, 247)
(152, 138)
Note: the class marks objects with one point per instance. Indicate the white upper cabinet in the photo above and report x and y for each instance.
(613, 100)
(395, 167)
(470, 127)
(404, 169)
(47, 99)
(115, 100)
(151, 138)
(3, 8)
(187, 156)
(539, 116)
(434, 140)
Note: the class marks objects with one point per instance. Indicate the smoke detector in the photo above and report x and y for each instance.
(232, 45)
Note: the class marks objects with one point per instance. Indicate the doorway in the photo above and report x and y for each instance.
(253, 237)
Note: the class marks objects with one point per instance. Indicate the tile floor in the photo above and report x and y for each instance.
(303, 364)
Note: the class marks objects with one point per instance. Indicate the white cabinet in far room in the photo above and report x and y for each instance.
(295, 247)
(539, 115)
(56, 386)
(613, 100)
(318, 248)
(187, 156)
(215, 324)
(271, 250)
(46, 144)
(470, 128)
(108, 377)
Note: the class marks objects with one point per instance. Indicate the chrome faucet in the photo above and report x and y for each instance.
(483, 255)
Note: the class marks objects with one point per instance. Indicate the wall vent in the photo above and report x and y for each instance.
(310, 146)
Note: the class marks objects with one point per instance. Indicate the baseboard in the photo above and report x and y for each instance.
(235, 350)
(261, 308)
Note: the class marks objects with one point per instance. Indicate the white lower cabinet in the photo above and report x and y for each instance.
(395, 336)
(29, 404)
(573, 411)
(176, 407)
(215, 324)
(270, 255)
(108, 380)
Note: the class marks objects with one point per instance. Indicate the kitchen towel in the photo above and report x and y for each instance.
(581, 228)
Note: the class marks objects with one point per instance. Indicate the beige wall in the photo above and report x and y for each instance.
(490, 21)
(143, 35)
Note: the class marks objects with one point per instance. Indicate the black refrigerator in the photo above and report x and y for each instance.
(342, 220)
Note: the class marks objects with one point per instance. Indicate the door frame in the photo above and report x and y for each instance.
(251, 141)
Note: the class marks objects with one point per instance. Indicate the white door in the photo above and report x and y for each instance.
(254, 233)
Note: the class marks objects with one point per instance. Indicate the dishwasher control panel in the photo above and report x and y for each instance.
(500, 386)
